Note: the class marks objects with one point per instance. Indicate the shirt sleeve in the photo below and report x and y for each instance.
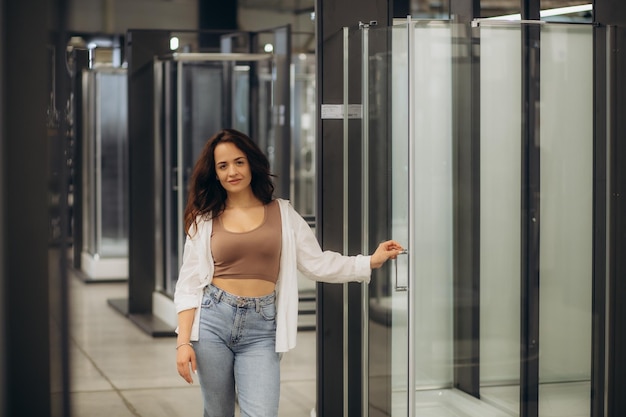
(185, 295)
(326, 266)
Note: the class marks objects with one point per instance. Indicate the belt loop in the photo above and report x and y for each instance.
(218, 295)
(257, 304)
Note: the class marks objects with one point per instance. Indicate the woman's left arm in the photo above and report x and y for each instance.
(331, 266)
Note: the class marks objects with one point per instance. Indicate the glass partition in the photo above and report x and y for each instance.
(500, 214)
(566, 135)
(411, 175)
(303, 113)
(409, 107)
(565, 143)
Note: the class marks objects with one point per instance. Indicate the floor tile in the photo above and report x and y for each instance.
(117, 370)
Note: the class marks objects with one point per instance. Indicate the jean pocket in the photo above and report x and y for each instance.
(207, 301)
(268, 312)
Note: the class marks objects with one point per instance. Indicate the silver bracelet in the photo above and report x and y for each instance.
(183, 344)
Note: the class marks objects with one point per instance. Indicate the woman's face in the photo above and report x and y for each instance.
(232, 167)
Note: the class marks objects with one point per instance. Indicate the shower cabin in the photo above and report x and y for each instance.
(104, 175)
(490, 311)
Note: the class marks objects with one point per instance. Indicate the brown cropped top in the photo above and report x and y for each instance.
(253, 254)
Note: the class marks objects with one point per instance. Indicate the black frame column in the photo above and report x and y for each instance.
(33, 210)
(610, 105)
(332, 16)
(141, 48)
(530, 221)
(466, 137)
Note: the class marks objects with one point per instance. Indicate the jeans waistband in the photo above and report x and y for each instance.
(237, 301)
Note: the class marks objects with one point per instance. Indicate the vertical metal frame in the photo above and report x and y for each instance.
(365, 218)
(530, 224)
(97, 172)
(179, 186)
(530, 221)
(80, 58)
(161, 157)
(611, 14)
(466, 149)
(601, 203)
(411, 222)
(345, 214)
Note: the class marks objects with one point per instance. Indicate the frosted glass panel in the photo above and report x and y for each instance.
(566, 213)
(500, 180)
(432, 185)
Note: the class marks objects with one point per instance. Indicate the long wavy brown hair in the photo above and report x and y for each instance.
(206, 195)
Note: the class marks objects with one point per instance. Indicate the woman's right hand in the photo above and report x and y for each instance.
(186, 361)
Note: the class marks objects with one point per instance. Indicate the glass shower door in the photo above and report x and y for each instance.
(408, 136)
(534, 222)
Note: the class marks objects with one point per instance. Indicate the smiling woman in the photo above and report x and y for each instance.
(237, 291)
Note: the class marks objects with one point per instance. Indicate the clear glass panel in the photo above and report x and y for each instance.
(241, 98)
(388, 304)
(303, 114)
(500, 213)
(420, 164)
(411, 92)
(566, 136)
(113, 144)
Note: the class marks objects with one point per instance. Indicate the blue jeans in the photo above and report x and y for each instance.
(237, 352)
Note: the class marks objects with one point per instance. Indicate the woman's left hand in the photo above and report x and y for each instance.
(386, 250)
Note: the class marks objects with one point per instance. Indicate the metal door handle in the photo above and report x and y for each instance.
(400, 287)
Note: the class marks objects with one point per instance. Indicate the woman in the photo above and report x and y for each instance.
(237, 295)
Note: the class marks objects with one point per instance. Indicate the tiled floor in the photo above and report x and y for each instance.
(119, 371)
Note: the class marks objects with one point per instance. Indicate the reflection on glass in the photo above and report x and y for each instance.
(571, 11)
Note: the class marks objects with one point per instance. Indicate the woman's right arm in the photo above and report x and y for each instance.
(186, 301)
(185, 355)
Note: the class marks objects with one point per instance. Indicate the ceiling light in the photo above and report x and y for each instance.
(549, 12)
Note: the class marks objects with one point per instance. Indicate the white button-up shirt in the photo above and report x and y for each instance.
(300, 252)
